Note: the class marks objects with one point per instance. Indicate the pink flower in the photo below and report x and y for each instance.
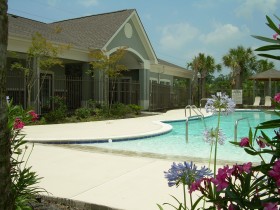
(221, 178)
(247, 167)
(261, 143)
(195, 186)
(277, 98)
(18, 124)
(244, 142)
(275, 36)
(33, 115)
(270, 206)
(275, 172)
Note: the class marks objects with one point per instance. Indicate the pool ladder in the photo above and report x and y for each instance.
(198, 114)
(236, 125)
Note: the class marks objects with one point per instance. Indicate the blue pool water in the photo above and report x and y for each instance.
(174, 143)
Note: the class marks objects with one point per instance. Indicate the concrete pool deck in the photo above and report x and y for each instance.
(114, 180)
(105, 130)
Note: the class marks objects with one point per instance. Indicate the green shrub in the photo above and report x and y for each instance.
(60, 110)
(83, 113)
(135, 108)
(120, 110)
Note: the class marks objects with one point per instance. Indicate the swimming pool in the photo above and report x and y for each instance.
(174, 143)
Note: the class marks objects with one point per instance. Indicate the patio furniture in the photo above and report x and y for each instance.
(267, 102)
(257, 101)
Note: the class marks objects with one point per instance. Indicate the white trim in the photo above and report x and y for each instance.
(146, 63)
(143, 36)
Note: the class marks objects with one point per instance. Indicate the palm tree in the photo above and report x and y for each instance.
(5, 146)
(203, 66)
(208, 68)
(241, 61)
(264, 65)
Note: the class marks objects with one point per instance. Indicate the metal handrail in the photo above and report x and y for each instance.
(236, 124)
(196, 110)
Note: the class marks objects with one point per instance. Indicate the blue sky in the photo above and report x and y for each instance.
(178, 29)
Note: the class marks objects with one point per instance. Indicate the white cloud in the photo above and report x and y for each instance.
(222, 33)
(247, 7)
(177, 35)
(89, 3)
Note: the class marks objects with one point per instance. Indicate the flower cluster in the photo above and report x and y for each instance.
(244, 142)
(34, 116)
(211, 135)
(185, 173)
(18, 124)
(275, 173)
(222, 104)
(277, 98)
(223, 178)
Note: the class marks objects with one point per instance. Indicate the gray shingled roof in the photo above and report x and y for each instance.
(87, 32)
(24, 27)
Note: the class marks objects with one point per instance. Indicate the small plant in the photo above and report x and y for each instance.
(59, 112)
(24, 180)
(120, 110)
(135, 108)
(83, 113)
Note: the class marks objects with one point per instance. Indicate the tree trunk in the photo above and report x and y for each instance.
(6, 201)
(203, 88)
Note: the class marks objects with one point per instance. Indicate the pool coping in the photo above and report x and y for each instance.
(165, 128)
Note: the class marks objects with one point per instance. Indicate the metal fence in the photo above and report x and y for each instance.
(77, 91)
(164, 97)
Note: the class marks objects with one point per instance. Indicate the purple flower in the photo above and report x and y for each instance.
(223, 103)
(210, 136)
(185, 173)
(244, 142)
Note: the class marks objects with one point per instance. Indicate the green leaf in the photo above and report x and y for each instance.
(266, 39)
(250, 137)
(196, 202)
(251, 152)
(272, 25)
(160, 207)
(270, 56)
(268, 47)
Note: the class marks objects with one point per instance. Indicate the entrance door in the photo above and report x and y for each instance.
(46, 84)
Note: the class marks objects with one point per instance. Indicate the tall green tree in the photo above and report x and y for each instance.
(5, 145)
(241, 61)
(42, 54)
(203, 66)
(110, 65)
(264, 65)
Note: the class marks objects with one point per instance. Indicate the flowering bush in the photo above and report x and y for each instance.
(24, 180)
(244, 186)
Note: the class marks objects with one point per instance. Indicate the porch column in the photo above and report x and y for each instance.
(87, 86)
(100, 88)
(144, 78)
(35, 93)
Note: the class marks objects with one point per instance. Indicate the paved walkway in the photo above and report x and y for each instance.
(113, 180)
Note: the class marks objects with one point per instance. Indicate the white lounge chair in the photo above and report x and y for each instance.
(267, 102)
(257, 101)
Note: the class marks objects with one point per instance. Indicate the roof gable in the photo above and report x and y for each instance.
(141, 33)
(93, 31)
